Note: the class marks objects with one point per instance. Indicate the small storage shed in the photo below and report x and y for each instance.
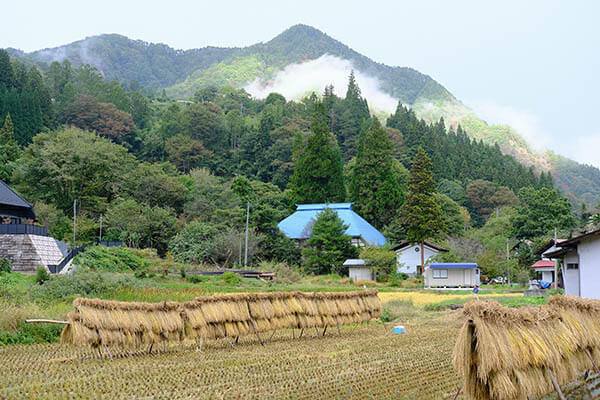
(358, 270)
(408, 258)
(452, 275)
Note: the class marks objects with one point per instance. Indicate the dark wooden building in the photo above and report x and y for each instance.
(13, 208)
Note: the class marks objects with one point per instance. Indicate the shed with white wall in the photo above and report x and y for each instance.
(358, 270)
(450, 275)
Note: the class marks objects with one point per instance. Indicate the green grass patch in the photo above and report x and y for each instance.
(509, 301)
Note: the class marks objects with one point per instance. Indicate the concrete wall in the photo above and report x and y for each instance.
(28, 252)
(589, 268)
(467, 277)
(411, 258)
(360, 274)
(571, 276)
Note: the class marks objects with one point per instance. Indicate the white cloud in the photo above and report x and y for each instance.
(585, 149)
(525, 123)
(295, 80)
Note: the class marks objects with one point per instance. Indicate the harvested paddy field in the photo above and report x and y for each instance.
(360, 362)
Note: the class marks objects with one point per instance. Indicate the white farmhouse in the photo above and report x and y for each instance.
(580, 260)
(409, 256)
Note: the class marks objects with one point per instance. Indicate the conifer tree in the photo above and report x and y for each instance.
(353, 118)
(420, 214)
(318, 173)
(375, 189)
(9, 149)
(6, 70)
(328, 245)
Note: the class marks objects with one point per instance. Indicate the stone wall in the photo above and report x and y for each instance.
(28, 252)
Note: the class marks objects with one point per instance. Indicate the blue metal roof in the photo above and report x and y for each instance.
(452, 265)
(298, 225)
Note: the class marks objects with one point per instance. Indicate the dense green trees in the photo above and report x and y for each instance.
(152, 167)
(59, 167)
(318, 173)
(540, 212)
(375, 188)
(421, 215)
(328, 246)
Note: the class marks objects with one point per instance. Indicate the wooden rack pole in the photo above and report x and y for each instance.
(46, 321)
(561, 396)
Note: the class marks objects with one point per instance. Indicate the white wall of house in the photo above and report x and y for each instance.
(360, 274)
(467, 277)
(571, 277)
(411, 258)
(589, 268)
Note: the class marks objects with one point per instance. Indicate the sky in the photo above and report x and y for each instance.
(531, 64)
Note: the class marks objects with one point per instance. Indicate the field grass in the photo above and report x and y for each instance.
(424, 298)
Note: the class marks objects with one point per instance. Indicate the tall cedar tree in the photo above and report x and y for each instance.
(328, 245)
(354, 117)
(420, 214)
(318, 174)
(374, 188)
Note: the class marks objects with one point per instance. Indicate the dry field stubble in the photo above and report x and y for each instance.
(366, 362)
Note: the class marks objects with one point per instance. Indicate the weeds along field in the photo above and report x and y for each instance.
(364, 362)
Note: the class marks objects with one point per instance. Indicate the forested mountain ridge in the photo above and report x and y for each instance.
(183, 72)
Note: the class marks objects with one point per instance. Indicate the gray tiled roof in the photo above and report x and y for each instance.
(10, 198)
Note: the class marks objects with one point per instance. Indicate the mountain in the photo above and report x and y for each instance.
(278, 64)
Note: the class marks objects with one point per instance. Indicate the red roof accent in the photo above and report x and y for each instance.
(543, 263)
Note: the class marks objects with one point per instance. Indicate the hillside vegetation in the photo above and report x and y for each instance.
(183, 72)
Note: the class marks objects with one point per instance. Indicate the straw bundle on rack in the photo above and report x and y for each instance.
(511, 353)
(101, 322)
(106, 322)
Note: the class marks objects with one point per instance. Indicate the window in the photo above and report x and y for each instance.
(572, 266)
(440, 273)
(357, 242)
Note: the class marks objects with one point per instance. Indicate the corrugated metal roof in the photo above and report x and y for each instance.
(452, 265)
(298, 225)
(10, 198)
(354, 262)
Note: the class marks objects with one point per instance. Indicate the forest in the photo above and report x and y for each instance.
(177, 176)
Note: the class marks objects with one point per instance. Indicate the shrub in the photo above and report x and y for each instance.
(231, 278)
(41, 275)
(194, 278)
(5, 265)
(113, 259)
(395, 279)
(83, 283)
(182, 272)
(285, 273)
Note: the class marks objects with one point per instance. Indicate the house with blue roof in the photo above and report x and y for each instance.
(451, 275)
(298, 225)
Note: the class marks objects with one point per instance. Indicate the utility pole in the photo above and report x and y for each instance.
(100, 227)
(507, 264)
(74, 220)
(246, 249)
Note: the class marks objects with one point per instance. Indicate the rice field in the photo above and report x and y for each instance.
(423, 298)
(365, 362)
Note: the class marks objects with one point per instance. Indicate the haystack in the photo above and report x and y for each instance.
(512, 353)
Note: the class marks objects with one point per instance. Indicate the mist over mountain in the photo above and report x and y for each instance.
(300, 60)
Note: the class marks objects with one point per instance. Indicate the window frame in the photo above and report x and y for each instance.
(440, 274)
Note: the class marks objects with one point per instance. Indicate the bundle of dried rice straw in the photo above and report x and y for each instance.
(513, 353)
(108, 323)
